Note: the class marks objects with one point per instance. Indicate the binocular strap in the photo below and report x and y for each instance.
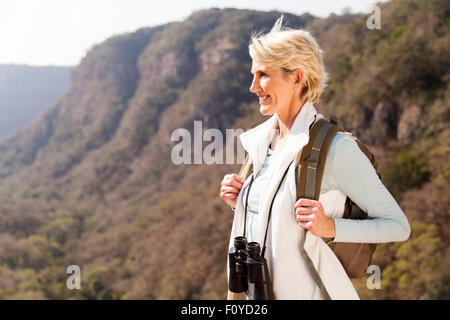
(246, 205)
(270, 211)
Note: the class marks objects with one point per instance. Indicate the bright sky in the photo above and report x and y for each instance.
(59, 32)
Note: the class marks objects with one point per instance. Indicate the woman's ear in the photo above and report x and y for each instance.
(298, 77)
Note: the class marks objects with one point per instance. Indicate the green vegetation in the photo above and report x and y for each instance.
(408, 171)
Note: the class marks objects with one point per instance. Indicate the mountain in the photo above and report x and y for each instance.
(25, 91)
(91, 181)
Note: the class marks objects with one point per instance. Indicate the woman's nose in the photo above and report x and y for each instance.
(253, 87)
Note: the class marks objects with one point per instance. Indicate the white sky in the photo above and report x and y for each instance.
(59, 32)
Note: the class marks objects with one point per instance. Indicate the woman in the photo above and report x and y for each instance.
(288, 77)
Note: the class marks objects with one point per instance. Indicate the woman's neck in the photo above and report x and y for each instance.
(286, 120)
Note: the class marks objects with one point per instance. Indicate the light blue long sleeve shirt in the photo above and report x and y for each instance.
(349, 170)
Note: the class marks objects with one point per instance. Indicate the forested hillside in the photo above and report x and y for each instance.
(91, 181)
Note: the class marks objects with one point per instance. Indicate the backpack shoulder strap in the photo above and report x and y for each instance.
(311, 161)
(247, 167)
(309, 172)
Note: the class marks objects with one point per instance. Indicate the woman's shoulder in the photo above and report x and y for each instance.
(345, 159)
(343, 147)
(343, 155)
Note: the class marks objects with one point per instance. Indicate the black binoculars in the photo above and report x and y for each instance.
(249, 269)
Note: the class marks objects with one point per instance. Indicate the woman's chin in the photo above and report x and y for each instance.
(265, 110)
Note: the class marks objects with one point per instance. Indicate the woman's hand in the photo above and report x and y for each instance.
(231, 186)
(310, 215)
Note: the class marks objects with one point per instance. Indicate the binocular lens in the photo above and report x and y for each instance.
(240, 242)
(253, 249)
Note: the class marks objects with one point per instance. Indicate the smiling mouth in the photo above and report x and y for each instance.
(263, 97)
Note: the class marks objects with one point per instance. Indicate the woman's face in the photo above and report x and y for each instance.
(275, 89)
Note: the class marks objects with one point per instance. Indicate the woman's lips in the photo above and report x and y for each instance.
(263, 98)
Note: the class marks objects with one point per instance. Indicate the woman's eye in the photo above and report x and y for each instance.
(263, 74)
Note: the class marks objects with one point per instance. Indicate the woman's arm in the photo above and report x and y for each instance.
(349, 170)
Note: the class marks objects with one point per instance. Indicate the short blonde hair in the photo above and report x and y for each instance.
(290, 49)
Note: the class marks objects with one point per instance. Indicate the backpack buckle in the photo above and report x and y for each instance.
(312, 163)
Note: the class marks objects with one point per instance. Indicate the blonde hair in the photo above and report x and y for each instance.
(290, 49)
